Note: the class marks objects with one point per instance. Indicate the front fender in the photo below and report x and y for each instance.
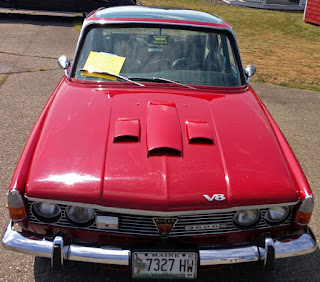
(20, 175)
(292, 163)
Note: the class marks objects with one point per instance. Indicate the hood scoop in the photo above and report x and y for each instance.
(164, 152)
(126, 131)
(163, 130)
(199, 132)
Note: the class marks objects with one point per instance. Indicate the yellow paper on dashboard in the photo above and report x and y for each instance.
(101, 62)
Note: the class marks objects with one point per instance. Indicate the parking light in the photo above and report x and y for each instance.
(15, 206)
(305, 210)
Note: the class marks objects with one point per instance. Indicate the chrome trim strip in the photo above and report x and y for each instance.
(15, 241)
(229, 256)
(305, 244)
(269, 255)
(58, 241)
(98, 255)
(292, 246)
(288, 247)
(157, 213)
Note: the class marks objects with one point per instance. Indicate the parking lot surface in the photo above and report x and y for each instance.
(29, 47)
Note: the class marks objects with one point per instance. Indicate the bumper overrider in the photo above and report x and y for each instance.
(301, 244)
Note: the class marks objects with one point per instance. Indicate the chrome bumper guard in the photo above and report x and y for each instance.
(299, 245)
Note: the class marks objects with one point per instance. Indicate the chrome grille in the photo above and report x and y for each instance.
(211, 223)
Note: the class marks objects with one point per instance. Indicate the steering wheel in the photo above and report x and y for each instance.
(196, 66)
(179, 64)
(157, 65)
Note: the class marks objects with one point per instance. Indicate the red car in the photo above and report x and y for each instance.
(154, 153)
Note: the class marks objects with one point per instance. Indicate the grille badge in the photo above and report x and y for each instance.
(164, 225)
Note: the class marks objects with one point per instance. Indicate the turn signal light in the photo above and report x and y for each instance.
(17, 213)
(303, 218)
(305, 210)
(15, 205)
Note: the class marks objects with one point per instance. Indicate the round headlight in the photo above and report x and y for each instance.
(46, 212)
(80, 216)
(276, 215)
(246, 218)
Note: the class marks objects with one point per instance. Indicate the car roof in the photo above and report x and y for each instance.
(157, 15)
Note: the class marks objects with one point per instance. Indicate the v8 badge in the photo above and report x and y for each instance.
(215, 197)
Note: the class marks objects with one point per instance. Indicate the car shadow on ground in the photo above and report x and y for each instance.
(50, 19)
(302, 268)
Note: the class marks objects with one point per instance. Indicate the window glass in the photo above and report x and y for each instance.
(186, 56)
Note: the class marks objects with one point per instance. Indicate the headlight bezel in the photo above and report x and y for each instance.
(273, 222)
(84, 223)
(40, 215)
(239, 225)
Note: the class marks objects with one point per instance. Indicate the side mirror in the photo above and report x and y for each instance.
(64, 63)
(249, 71)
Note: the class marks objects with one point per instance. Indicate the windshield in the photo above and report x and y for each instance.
(181, 55)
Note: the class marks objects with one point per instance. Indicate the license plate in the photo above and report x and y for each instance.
(164, 265)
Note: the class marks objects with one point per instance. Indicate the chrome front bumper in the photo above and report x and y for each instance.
(298, 245)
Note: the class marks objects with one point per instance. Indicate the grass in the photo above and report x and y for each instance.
(284, 49)
(3, 78)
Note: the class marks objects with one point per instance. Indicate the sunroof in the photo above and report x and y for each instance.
(158, 13)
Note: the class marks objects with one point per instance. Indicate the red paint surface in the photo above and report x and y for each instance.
(163, 126)
(127, 127)
(199, 129)
(76, 159)
(312, 13)
(20, 175)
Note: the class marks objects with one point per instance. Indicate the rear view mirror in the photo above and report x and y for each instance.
(249, 71)
(64, 63)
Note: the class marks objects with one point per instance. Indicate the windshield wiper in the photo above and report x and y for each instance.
(113, 74)
(161, 79)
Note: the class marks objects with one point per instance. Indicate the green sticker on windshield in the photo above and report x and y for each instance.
(160, 39)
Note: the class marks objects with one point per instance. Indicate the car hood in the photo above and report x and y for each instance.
(168, 150)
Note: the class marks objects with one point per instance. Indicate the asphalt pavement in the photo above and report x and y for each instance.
(30, 44)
